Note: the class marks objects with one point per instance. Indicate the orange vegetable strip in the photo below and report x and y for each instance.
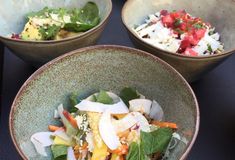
(122, 150)
(53, 128)
(165, 124)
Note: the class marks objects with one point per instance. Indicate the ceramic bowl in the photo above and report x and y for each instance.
(12, 20)
(101, 67)
(217, 12)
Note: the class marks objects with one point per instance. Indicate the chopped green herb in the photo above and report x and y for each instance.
(73, 99)
(177, 22)
(136, 152)
(209, 48)
(198, 25)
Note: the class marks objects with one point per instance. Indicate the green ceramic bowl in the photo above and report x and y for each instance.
(217, 12)
(12, 20)
(101, 67)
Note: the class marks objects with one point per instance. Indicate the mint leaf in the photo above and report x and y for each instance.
(104, 98)
(136, 152)
(59, 152)
(155, 141)
(128, 94)
(73, 100)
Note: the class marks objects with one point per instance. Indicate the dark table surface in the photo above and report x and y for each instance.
(215, 93)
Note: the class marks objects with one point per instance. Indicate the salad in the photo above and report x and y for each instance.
(181, 33)
(105, 126)
(60, 23)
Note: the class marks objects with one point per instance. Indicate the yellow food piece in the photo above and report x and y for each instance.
(100, 149)
(30, 32)
(115, 157)
(60, 141)
(119, 116)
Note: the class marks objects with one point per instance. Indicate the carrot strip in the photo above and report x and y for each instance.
(53, 128)
(70, 118)
(165, 124)
(122, 150)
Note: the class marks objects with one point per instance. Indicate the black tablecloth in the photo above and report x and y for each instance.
(215, 93)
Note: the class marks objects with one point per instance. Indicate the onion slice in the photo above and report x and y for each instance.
(41, 140)
(118, 107)
(140, 105)
(107, 131)
(70, 154)
(125, 123)
(156, 111)
(141, 121)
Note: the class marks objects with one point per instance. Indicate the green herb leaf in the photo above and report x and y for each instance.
(177, 22)
(209, 48)
(104, 98)
(155, 141)
(49, 32)
(128, 94)
(198, 25)
(59, 152)
(136, 152)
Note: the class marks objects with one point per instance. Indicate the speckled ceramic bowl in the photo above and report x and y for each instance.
(101, 67)
(217, 12)
(12, 20)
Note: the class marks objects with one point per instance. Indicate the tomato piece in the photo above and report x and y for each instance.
(168, 20)
(183, 26)
(184, 44)
(199, 34)
(163, 12)
(190, 52)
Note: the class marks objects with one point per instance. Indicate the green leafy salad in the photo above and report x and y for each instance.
(59, 23)
(106, 126)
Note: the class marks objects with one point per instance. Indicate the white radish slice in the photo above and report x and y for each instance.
(156, 111)
(40, 141)
(125, 123)
(140, 105)
(70, 154)
(107, 131)
(141, 121)
(118, 107)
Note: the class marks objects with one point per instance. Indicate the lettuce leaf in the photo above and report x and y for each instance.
(136, 152)
(104, 98)
(155, 141)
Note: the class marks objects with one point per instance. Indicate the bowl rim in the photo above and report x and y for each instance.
(130, 50)
(125, 7)
(84, 34)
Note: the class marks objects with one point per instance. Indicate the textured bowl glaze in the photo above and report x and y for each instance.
(217, 12)
(37, 53)
(101, 67)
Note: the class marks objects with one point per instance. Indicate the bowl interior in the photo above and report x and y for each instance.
(12, 13)
(103, 67)
(216, 12)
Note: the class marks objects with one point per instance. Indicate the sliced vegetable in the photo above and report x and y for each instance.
(156, 111)
(142, 122)
(165, 124)
(121, 150)
(140, 105)
(125, 123)
(107, 131)
(53, 128)
(70, 154)
(155, 141)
